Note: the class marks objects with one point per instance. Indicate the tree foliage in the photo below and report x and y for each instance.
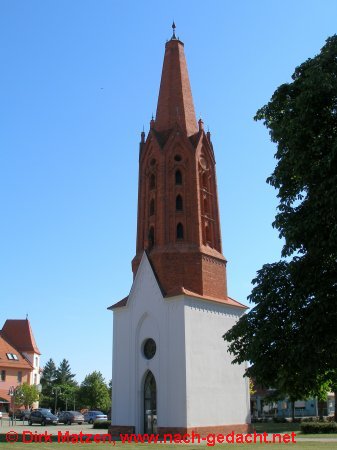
(61, 378)
(290, 335)
(94, 392)
(48, 377)
(26, 395)
(63, 374)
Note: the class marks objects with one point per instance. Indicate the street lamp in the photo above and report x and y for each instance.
(11, 393)
(56, 390)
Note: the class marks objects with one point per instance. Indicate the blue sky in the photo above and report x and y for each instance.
(78, 81)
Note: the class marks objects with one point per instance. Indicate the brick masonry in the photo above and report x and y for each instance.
(177, 159)
(116, 430)
(204, 431)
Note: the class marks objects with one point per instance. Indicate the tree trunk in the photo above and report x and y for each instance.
(321, 406)
(293, 411)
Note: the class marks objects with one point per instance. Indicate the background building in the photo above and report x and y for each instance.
(19, 359)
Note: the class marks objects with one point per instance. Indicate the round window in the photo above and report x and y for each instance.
(149, 348)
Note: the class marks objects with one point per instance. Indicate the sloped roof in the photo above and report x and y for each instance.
(119, 304)
(181, 291)
(20, 363)
(4, 396)
(226, 301)
(19, 334)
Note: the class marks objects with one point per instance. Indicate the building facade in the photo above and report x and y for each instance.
(264, 407)
(19, 359)
(171, 368)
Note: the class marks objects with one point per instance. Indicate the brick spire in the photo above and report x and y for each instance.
(178, 213)
(175, 102)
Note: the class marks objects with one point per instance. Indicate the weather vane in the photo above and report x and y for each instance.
(174, 30)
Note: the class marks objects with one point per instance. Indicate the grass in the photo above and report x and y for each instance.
(307, 442)
(271, 427)
(288, 427)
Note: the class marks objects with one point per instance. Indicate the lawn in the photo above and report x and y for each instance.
(309, 442)
(271, 427)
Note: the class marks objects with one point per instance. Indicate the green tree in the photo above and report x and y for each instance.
(26, 395)
(290, 335)
(94, 393)
(68, 396)
(47, 382)
(62, 379)
(63, 374)
(66, 385)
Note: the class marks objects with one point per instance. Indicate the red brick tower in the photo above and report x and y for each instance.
(178, 214)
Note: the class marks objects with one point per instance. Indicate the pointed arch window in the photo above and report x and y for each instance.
(178, 178)
(179, 203)
(152, 181)
(151, 238)
(180, 231)
(208, 235)
(152, 207)
(206, 209)
(205, 181)
(150, 404)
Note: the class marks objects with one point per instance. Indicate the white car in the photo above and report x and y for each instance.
(91, 416)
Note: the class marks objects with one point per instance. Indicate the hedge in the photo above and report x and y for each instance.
(318, 427)
(102, 424)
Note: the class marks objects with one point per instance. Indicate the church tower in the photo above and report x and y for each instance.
(171, 369)
(178, 213)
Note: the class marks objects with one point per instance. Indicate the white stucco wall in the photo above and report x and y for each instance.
(146, 315)
(35, 375)
(217, 393)
(196, 384)
(34, 359)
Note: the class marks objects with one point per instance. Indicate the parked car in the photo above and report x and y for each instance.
(91, 416)
(44, 417)
(22, 414)
(69, 417)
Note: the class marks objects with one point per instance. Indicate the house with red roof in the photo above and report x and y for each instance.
(19, 359)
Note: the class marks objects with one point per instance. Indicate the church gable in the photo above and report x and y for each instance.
(145, 286)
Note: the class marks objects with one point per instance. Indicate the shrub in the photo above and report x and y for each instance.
(318, 427)
(279, 420)
(102, 424)
(330, 418)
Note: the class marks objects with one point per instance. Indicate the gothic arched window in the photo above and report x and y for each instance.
(151, 238)
(180, 231)
(208, 234)
(152, 181)
(152, 207)
(179, 203)
(204, 180)
(179, 178)
(206, 209)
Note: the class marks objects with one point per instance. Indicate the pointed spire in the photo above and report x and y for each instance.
(175, 102)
